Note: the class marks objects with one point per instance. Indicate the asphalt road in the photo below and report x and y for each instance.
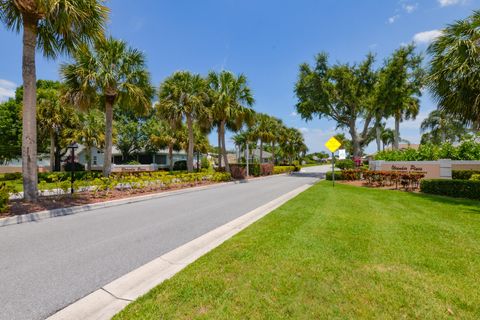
(46, 265)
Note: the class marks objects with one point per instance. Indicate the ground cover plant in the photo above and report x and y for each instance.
(343, 252)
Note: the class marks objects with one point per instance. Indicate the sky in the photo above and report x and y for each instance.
(266, 40)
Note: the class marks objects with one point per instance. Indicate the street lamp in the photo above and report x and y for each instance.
(72, 147)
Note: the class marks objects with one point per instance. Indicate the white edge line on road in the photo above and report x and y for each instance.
(113, 297)
(47, 214)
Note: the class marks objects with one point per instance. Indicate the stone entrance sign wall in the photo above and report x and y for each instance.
(441, 169)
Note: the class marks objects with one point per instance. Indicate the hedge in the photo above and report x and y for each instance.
(463, 174)
(338, 175)
(283, 169)
(452, 188)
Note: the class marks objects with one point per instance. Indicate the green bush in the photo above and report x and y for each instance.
(475, 177)
(345, 164)
(283, 169)
(204, 163)
(338, 175)
(12, 176)
(463, 174)
(4, 197)
(452, 188)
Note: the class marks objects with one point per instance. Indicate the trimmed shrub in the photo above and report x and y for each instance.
(180, 165)
(345, 164)
(338, 175)
(266, 169)
(463, 174)
(475, 177)
(78, 166)
(238, 171)
(204, 163)
(283, 169)
(452, 188)
(12, 176)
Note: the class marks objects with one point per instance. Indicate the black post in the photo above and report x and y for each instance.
(333, 169)
(72, 170)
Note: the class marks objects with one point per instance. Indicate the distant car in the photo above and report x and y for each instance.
(180, 165)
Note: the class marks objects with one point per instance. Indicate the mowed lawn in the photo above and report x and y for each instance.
(343, 253)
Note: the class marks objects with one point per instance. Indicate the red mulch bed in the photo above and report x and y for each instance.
(18, 207)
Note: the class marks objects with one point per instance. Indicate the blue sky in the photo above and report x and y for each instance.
(265, 39)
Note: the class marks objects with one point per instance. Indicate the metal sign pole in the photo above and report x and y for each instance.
(333, 169)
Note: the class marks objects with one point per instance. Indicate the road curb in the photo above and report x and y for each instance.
(47, 214)
(113, 297)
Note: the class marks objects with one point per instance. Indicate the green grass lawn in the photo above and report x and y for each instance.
(343, 253)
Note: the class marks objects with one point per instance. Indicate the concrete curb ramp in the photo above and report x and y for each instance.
(113, 297)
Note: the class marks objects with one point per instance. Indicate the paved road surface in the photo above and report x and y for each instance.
(46, 265)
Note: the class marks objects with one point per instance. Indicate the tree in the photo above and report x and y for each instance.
(387, 135)
(263, 130)
(57, 121)
(110, 72)
(54, 27)
(342, 92)
(345, 142)
(231, 102)
(10, 130)
(163, 134)
(292, 144)
(399, 87)
(454, 78)
(439, 127)
(129, 137)
(184, 95)
(91, 132)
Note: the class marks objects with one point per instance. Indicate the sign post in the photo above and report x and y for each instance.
(333, 144)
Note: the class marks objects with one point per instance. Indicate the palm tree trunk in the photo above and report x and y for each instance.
(378, 133)
(170, 156)
(261, 151)
(29, 130)
(273, 152)
(52, 150)
(107, 161)
(396, 133)
(219, 146)
(224, 149)
(88, 153)
(190, 144)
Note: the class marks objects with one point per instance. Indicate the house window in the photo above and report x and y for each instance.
(94, 160)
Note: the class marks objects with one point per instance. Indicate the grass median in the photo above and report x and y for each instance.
(347, 252)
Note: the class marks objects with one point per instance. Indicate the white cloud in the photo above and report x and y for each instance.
(393, 18)
(293, 114)
(409, 8)
(446, 3)
(304, 129)
(426, 37)
(7, 89)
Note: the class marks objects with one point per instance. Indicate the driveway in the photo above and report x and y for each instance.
(47, 265)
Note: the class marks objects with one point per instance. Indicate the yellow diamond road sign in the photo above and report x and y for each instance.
(333, 144)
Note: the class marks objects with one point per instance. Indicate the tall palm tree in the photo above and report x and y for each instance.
(399, 87)
(110, 72)
(231, 102)
(454, 78)
(54, 27)
(387, 137)
(183, 95)
(442, 127)
(278, 128)
(91, 132)
(263, 130)
(165, 134)
(292, 144)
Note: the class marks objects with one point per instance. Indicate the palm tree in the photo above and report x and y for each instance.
(454, 79)
(387, 136)
(184, 95)
(164, 134)
(278, 128)
(292, 144)
(442, 127)
(231, 102)
(91, 132)
(110, 72)
(263, 130)
(399, 87)
(55, 27)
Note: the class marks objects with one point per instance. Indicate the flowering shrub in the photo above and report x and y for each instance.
(408, 180)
